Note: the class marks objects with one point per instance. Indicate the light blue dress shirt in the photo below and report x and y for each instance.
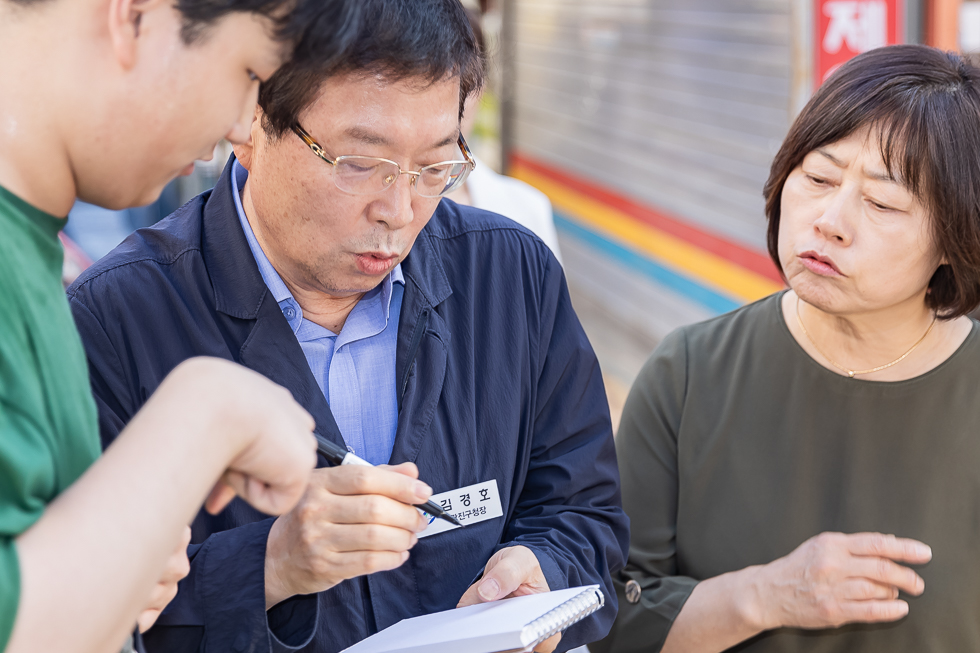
(356, 368)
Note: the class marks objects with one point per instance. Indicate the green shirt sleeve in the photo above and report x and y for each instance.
(647, 448)
(9, 588)
(27, 471)
(25, 477)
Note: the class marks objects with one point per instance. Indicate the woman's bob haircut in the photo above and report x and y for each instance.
(923, 106)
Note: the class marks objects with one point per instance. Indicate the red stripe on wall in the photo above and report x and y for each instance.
(753, 260)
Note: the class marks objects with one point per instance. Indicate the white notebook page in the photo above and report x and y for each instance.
(483, 628)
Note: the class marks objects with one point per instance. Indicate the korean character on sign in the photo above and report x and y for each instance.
(485, 495)
(465, 499)
(447, 504)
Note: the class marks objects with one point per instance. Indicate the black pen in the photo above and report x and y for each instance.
(340, 456)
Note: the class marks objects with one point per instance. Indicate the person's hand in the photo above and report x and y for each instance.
(265, 433)
(178, 566)
(833, 579)
(353, 520)
(514, 571)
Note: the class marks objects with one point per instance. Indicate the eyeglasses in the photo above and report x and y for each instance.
(367, 175)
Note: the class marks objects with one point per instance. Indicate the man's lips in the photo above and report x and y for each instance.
(820, 264)
(375, 263)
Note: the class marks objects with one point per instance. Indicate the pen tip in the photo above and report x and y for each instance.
(452, 520)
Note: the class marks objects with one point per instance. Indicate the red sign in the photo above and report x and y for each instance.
(846, 28)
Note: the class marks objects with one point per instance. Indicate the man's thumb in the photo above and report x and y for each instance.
(499, 581)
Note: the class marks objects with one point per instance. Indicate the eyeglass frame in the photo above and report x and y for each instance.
(470, 162)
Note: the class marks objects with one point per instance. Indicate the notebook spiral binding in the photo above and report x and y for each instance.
(566, 614)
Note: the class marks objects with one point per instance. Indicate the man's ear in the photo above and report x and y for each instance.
(244, 152)
(125, 17)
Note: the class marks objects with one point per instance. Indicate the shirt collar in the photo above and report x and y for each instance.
(280, 292)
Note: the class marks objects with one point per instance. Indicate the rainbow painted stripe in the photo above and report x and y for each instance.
(713, 271)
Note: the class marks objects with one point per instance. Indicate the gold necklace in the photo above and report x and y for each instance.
(853, 373)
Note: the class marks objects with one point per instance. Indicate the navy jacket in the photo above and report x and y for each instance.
(496, 380)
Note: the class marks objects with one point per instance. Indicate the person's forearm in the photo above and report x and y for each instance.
(721, 612)
(88, 565)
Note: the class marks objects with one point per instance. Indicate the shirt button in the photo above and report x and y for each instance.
(633, 591)
(289, 312)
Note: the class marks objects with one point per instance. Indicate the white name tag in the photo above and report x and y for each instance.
(469, 505)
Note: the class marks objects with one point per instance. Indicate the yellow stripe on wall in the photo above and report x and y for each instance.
(709, 269)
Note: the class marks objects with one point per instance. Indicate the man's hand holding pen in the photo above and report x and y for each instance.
(353, 520)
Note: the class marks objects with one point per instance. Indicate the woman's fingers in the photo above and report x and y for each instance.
(886, 572)
(879, 545)
(833, 579)
(861, 589)
(872, 611)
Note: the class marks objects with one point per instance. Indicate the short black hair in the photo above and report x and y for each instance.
(924, 106)
(427, 40)
(292, 20)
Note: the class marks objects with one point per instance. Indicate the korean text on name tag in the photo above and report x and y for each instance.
(469, 505)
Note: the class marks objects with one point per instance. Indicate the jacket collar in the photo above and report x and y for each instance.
(238, 285)
(423, 267)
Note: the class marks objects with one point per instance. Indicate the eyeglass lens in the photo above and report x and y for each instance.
(366, 175)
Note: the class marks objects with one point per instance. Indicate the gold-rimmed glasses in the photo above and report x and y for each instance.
(367, 175)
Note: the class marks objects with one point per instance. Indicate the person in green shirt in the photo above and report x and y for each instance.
(801, 474)
(107, 100)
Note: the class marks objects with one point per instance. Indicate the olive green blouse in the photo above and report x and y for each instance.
(735, 446)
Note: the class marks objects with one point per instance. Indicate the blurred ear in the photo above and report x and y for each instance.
(125, 17)
(245, 152)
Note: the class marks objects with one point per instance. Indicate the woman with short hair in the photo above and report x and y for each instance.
(803, 474)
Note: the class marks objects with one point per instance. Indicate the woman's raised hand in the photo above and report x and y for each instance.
(836, 578)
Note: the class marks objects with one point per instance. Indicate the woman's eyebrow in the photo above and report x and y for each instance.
(833, 159)
(877, 175)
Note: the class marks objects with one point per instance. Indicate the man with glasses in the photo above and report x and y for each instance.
(435, 338)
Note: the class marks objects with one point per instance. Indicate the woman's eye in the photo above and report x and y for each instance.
(816, 180)
(253, 77)
(880, 207)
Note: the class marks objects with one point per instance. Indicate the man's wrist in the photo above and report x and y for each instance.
(276, 587)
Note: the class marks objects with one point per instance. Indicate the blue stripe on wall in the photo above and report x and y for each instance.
(680, 284)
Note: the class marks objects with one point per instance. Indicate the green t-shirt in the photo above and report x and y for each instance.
(48, 425)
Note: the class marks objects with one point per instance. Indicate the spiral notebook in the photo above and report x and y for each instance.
(517, 624)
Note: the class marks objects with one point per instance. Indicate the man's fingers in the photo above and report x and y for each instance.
(406, 469)
(374, 509)
(371, 537)
(873, 611)
(886, 572)
(879, 545)
(470, 596)
(397, 484)
(548, 645)
(352, 564)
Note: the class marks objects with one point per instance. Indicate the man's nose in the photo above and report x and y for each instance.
(393, 206)
(240, 131)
